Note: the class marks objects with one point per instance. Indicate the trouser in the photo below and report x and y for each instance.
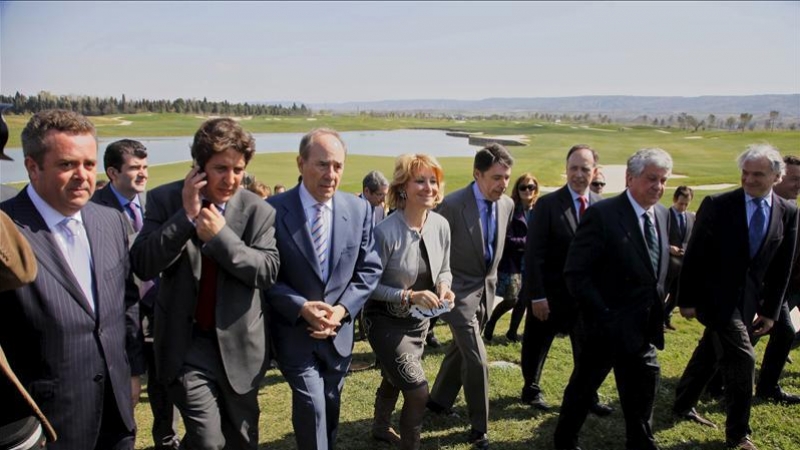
(729, 349)
(637, 378)
(215, 416)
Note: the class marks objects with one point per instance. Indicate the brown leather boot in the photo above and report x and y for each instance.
(385, 400)
(411, 417)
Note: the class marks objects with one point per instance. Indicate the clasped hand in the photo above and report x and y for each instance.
(323, 319)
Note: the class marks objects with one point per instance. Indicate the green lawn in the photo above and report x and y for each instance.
(514, 426)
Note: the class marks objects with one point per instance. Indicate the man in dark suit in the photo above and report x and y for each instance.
(71, 334)
(736, 270)
(125, 164)
(783, 332)
(328, 270)
(681, 223)
(552, 309)
(616, 268)
(478, 215)
(214, 246)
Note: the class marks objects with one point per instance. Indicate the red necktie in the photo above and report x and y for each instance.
(582, 210)
(207, 296)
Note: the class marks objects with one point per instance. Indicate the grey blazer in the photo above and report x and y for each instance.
(247, 258)
(473, 282)
(399, 259)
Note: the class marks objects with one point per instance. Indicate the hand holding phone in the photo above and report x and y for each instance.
(192, 185)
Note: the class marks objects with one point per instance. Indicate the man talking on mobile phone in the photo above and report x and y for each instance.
(214, 246)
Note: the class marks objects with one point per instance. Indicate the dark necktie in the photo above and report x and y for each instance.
(136, 215)
(756, 231)
(682, 224)
(488, 253)
(652, 241)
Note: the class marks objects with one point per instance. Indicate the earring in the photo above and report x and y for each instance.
(403, 195)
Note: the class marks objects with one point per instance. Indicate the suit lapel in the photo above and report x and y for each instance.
(294, 219)
(568, 209)
(630, 223)
(662, 216)
(48, 253)
(340, 221)
(98, 240)
(472, 219)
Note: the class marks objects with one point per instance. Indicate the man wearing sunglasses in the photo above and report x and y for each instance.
(598, 183)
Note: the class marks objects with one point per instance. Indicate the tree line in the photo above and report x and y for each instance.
(99, 106)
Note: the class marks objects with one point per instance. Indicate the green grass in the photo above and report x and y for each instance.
(514, 426)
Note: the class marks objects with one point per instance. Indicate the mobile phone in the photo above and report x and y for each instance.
(199, 167)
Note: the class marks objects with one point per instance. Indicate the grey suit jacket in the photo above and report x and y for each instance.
(550, 234)
(608, 271)
(247, 260)
(355, 269)
(61, 350)
(473, 282)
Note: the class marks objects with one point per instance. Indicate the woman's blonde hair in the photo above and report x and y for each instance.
(405, 167)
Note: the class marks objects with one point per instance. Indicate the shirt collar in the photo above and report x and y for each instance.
(123, 200)
(51, 217)
(308, 201)
(749, 199)
(575, 195)
(477, 191)
(636, 206)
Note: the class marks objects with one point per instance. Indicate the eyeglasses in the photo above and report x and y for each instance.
(527, 187)
(598, 183)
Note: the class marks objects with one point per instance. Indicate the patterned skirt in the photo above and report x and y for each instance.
(398, 342)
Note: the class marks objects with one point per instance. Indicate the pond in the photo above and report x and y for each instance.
(167, 150)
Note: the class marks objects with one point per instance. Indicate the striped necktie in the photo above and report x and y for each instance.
(651, 238)
(319, 235)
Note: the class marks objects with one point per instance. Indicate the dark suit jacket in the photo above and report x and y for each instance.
(61, 350)
(608, 271)
(677, 239)
(718, 275)
(473, 282)
(106, 197)
(17, 268)
(550, 234)
(247, 261)
(516, 234)
(355, 269)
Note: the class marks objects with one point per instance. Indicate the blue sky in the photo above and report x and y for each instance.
(357, 51)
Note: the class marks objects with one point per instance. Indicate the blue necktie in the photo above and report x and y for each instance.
(682, 222)
(757, 222)
(319, 235)
(488, 234)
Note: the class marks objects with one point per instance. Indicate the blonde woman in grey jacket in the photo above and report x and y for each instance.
(414, 246)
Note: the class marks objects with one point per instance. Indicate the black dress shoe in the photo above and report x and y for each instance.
(601, 410)
(693, 416)
(537, 402)
(440, 410)
(779, 396)
(513, 337)
(478, 439)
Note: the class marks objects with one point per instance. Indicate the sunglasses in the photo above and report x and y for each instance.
(598, 183)
(527, 187)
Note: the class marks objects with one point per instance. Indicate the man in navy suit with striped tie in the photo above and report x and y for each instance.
(71, 335)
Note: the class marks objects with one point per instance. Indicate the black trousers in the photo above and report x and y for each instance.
(729, 350)
(637, 377)
(780, 344)
(536, 342)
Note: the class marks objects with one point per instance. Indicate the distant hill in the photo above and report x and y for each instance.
(617, 105)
